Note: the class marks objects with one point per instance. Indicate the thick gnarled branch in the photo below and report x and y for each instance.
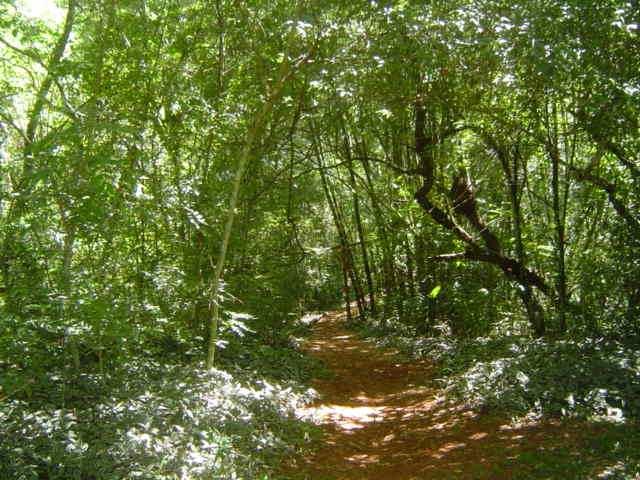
(464, 204)
(511, 267)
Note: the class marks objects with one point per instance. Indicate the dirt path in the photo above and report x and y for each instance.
(383, 421)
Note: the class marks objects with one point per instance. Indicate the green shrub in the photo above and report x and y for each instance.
(161, 423)
(587, 378)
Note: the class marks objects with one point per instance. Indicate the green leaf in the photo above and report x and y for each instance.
(435, 292)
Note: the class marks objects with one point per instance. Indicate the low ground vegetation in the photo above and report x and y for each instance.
(592, 379)
(587, 377)
(149, 419)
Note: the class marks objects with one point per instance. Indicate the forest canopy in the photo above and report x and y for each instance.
(181, 180)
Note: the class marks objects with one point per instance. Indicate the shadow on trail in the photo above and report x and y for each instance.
(382, 420)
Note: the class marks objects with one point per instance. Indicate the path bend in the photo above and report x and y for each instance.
(383, 419)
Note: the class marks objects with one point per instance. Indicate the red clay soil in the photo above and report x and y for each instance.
(382, 420)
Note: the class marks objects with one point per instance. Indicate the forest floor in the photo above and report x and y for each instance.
(383, 417)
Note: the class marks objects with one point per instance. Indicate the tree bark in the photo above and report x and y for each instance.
(346, 254)
(510, 161)
(388, 270)
(559, 223)
(491, 252)
(25, 182)
(359, 226)
(261, 117)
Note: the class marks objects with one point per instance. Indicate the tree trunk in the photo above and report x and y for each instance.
(388, 269)
(465, 204)
(255, 130)
(26, 181)
(359, 227)
(558, 218)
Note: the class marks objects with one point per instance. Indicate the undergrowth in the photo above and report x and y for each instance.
(157, 415)
(588, 378)
(592, 379)
(163, 422)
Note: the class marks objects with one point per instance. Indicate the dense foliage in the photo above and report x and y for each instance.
(181, 181)
(170, 422)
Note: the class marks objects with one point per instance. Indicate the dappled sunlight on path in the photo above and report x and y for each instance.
(383, 420)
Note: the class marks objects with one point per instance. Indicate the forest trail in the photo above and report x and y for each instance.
(382, 420)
